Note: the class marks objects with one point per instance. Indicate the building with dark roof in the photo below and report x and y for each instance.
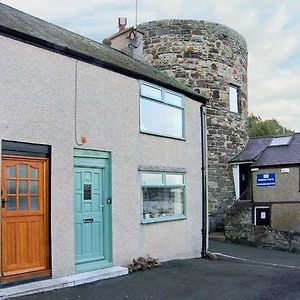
(267, 172)
(102, 158)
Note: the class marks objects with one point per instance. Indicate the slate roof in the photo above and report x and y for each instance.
(259, 151)
(26, 28)
(253, 148)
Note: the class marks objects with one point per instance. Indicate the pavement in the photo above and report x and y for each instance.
(241, 272)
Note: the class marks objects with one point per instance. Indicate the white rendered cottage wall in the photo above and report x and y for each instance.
(37, 105)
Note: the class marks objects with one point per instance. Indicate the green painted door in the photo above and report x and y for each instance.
(92, 214)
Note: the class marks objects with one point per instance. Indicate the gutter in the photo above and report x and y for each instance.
(241, 162)
(44, 44)
(204, 229)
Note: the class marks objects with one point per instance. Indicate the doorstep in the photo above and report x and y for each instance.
(61, 282)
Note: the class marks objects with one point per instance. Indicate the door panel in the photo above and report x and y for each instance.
(24, 216)
(89, 214)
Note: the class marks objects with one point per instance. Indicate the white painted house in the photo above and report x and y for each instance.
(103, 156)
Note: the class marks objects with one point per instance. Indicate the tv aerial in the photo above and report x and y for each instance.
(135, 40)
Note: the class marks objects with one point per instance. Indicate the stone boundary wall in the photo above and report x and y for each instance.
(262, 236)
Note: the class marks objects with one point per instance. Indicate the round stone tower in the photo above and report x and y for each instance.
(212, 59)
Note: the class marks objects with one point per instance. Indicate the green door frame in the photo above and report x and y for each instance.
(97, 159)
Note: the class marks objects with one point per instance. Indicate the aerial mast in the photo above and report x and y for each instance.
(136, 8)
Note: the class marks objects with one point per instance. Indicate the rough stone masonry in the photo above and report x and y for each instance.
(207, 57)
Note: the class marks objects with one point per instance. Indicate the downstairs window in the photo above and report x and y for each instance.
(163, 196)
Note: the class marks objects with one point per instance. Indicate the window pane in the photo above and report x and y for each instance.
(33, 173)
(175, 196)
(11, 171)
(22, 171)
(163, 202)
(174, 179)
(33, 187)
(280, 141)
(87, 192)
(153, 202)
(233, 98)
(161, 119)
(23, 188)
(23, 205)
(150, 92)
(173, 99)
(11, 187)
(34, 203)
(11, 203)
(152, 179)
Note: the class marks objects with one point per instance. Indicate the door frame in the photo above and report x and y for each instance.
(80, 160)
(23, 156)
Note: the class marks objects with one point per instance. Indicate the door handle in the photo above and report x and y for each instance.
(101, 206)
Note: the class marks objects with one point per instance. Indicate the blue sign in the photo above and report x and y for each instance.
(266, 179)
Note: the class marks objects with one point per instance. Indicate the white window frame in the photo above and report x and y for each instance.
(234, 104)
(162, 100)
(163, 185)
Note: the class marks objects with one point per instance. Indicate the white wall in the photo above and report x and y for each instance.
(37, 105)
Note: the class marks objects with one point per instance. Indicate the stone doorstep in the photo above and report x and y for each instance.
(61, 282)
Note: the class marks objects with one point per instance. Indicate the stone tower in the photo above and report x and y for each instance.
(210, 58)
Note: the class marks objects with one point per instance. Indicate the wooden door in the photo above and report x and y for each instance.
(24, 216)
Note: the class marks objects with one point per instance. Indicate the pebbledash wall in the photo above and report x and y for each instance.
(207, 57)
(37, 104)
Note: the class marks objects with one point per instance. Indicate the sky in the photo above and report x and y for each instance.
(270, 27)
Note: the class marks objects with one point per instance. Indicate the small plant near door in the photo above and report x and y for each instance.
(142, 264)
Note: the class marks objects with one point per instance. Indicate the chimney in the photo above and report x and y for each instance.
(122, 22)
(128, 40)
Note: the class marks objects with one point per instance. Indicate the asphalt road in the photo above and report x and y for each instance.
(256, 254)
(224, 278)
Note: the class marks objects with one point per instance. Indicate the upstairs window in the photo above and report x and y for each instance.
(161, 112)
(234, 105)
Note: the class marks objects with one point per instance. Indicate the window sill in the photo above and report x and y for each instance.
(162, 219)
(162, 135)
(235, 113)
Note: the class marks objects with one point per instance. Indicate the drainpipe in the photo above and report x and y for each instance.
(204, 181)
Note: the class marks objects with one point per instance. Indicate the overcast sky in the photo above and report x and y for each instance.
(271, 28)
